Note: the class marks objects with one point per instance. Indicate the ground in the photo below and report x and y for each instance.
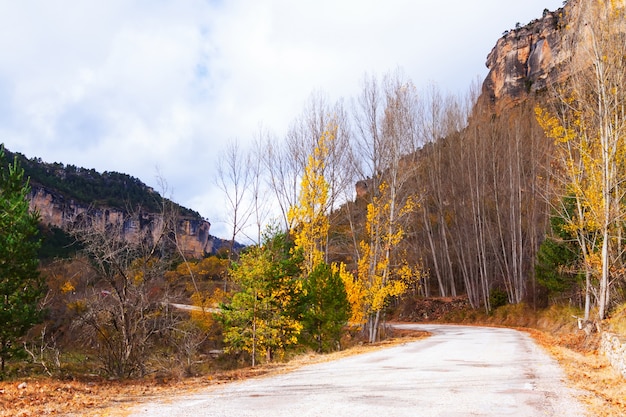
(603, 389)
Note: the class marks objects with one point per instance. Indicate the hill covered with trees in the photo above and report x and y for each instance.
(87, 186)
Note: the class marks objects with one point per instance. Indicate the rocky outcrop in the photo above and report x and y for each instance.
(57, 210)
(525, 60)
(531, 58)
(614, 348)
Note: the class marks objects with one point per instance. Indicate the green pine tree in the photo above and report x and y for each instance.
(21, 286)
(558, 266)
(327, 309)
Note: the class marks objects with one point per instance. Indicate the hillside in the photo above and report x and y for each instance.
(61, 192)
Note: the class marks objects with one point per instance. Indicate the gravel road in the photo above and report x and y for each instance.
(458, 371)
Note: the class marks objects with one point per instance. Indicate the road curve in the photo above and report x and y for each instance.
(458, 371)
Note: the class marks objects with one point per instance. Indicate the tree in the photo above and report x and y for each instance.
(259, 189)
(557, 267)
(388, 132)
(124, 305)
(285, 162)
(234, 177)
(383, 273)
(589, 128)
(21, 286)
(310, 218)
(261, 317)
(326, 307)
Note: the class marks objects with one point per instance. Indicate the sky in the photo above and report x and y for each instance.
(156, 88)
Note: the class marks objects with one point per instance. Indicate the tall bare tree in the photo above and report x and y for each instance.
(234, 178)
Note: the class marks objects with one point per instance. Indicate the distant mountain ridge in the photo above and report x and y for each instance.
(60, 193)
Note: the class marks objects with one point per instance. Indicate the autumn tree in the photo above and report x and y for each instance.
(589, 127)
(309, 217)
(261, 318)
(382, 271)
(21, 285)
(325, 306)
(387, 133)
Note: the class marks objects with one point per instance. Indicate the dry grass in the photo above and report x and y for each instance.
(602, 389)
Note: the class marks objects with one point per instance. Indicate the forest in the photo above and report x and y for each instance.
(396, 194)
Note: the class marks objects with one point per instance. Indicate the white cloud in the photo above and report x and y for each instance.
(133, 86)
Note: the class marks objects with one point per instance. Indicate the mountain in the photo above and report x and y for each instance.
(62, 193)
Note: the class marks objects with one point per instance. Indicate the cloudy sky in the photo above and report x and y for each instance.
(156, 87)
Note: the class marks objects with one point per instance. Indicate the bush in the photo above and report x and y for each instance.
(497, 298)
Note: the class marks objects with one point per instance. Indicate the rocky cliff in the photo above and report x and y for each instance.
(58, 210)
(529, 59)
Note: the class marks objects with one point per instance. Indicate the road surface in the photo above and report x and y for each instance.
(458, 371)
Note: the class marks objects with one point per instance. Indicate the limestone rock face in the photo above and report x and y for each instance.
(55, 209)
(528, 59)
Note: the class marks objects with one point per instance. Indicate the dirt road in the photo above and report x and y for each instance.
(459, 371)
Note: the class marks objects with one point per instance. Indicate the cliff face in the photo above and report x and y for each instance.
(55, 209)
(528, 59)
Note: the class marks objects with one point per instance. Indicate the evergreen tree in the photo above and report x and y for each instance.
(558, 266)
(21, 286)
(555, 267)
(327, 308)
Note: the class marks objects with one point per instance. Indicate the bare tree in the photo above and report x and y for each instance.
(286, 160)
(284, 169)
(234, 178)
(261, 206)
(124, 304)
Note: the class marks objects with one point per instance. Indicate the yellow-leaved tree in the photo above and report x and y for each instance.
(324, 305)
(309, 218)
(588, 125)
(383, 272)
(388, 128)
